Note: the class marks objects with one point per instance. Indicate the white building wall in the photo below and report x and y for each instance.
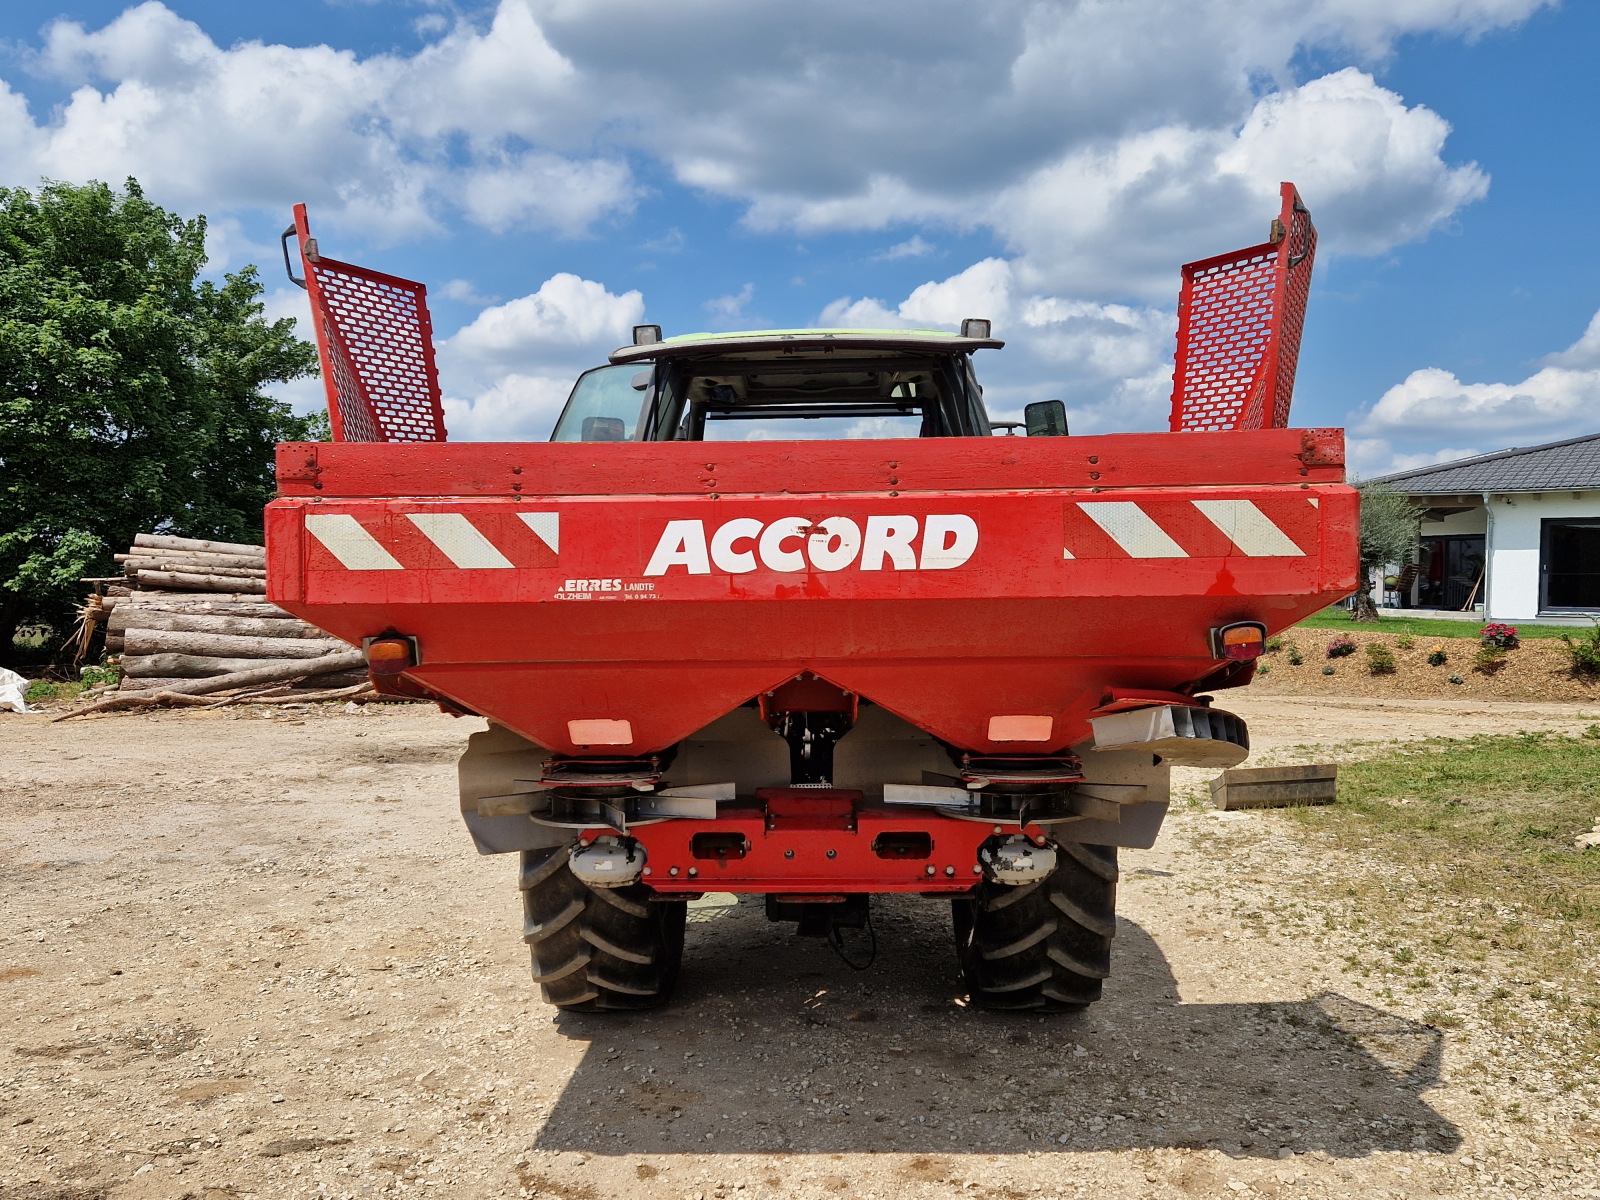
(1515, 524)
(1473, 521)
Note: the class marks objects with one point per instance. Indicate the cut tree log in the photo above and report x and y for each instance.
(154, 683)
(200, 666)
(160, 541)
(194, 560)
(133, 566)
(142, 641)
(198, 602)
(337, 679)
(278, 672)
(147, 617)
(178, 581)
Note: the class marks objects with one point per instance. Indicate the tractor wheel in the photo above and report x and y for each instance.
(1042, 946)
(597, 949)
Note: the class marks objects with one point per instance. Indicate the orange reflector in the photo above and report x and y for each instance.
(388, 656)
(600, 733)
(1240, 634)
(1020, 729)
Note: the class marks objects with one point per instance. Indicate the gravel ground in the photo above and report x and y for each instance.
(253, 954)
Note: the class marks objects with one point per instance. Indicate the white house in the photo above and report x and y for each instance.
(1513, 535)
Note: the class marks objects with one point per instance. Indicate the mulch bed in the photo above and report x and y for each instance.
(1537, 670)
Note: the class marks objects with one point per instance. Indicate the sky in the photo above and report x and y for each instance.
(557, 171)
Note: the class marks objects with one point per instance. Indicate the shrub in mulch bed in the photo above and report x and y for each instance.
(1584, 652)
(1497, 633)
(1380, 659)
(1341, 646)
(1539, 669)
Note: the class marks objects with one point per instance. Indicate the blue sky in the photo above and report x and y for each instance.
(556, 170)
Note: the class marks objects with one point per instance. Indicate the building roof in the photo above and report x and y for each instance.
(770, 340)
(1554, 467)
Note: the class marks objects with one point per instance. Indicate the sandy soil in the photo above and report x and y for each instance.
(247, 954)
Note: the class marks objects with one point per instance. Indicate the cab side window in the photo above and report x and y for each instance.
(608, 404)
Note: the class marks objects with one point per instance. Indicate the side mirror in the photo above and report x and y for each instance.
(1047, 418)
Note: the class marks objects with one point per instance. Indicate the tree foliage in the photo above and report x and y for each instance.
(130, 391)
(1389, 525)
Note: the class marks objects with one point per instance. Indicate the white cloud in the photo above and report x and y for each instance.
(1560, 400)
(465, 292)
(506, 375)
(516, 407)
(865, 313)
(386, 144)
(1113, 219)
(913, 247)
(1368, 458)
(731, 307)
(1110, 363)
(566, 313)
(1553, 402)
(1098, 139)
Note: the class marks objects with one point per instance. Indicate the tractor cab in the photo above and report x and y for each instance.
(783, 384)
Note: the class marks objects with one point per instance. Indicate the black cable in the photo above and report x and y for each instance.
(837, 942)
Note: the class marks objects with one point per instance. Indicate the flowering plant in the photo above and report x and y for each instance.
(1437, 657)
(1498, 634)
(1341, 646)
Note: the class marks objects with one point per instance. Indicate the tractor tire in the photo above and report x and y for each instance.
(597, 949)
(1046, 946)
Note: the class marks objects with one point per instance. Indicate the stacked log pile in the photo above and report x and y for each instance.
(193, 614)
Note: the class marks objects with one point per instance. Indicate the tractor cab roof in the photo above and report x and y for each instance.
(787, 341)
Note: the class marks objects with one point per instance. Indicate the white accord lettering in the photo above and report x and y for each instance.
(793, 544)
(734, 562)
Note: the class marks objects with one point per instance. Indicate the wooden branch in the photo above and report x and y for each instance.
(142, 641)
(134, 700)
(200, 583)
(163, 542)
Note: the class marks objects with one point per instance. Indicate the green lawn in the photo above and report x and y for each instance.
(1427, 627)
(1453, 862)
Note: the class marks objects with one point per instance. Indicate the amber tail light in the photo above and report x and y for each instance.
(1241, 641)
(391, 654)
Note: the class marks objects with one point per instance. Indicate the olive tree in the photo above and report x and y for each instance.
(1389, 524)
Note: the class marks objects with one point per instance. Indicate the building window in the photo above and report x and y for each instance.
(1450, 574)
(1569, 562)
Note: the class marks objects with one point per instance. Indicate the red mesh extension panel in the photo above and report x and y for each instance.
(1239, 322)
(375, 340)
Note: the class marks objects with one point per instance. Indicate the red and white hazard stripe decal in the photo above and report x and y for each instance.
(423, 540)
(1283, 527)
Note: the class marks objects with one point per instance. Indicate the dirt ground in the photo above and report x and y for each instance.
(250, 953)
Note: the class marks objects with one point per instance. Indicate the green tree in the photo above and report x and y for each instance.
(130, 391)
(1389, 523)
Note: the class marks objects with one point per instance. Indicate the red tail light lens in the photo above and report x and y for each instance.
(389, 656)
(1241, 642)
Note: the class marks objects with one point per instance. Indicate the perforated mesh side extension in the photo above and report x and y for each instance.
(1239, 323)
(375, 340)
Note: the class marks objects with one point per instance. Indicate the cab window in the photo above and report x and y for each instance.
(608, 404)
